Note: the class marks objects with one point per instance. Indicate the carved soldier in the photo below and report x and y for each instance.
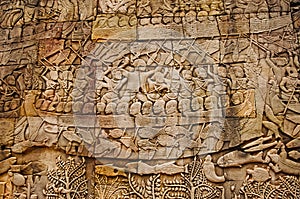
(289, 85)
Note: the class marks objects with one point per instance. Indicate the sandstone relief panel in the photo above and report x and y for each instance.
(145, 99)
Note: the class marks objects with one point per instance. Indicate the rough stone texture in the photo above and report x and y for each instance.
(149, 99)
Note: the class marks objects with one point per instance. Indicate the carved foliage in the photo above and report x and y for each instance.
(289, 187)
(190, 184)
(67, 180)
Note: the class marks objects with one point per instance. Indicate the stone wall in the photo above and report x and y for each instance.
(149, 99)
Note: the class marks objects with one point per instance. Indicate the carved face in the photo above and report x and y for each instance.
(146, 109)
(237, 98)
(159, 77)
(110, 108)
(222, 72)
(122, 108)
(187, 74)
(197, 103)
(238, 71)
(135, 108)
(142, 68)
(11, 80)
(208, 158)
(116, 75)
(184, 105)
(140, 64)
(158, 107)
(171, 107)
(292, 72)
(211, 102)
(201, 72)
(34, 196)
(100, 107)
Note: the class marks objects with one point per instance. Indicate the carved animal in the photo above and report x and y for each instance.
(140, 168)
(280, 163)
(143, 169)
(169, 168)
(295, 143)
(109, 170)
(128, 142)
(156, 5)
(106, 146)
(147, 132)
(21, 147)
(209, 171)
(5, 164)
(259, 174)
(259, 145)
(238, 158)
(116, 133)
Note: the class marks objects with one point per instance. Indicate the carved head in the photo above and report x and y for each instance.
(292, 72)
(147, 107)
(197, 103)
(222, 72)
(238, 71)
(140, 64)
(187, 74)
(122, 108)
(201, 73)
(211, 102)
(110, 108)
(158, 107)
(11, 80)
(116, 74)
(159, 77)
(237, 98)
(171, 107)
(184, 105)
(34, 196)
(135, 108)
(273, 155)
(208, 158)
(100, 107)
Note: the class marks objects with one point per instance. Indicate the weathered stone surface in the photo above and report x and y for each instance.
(149, 99)
(114, 26)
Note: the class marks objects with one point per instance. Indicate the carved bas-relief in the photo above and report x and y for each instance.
(194, 182)
(158, 99)
(67, 180)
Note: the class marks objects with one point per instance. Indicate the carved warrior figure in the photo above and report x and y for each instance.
(289, 85)
(111, 6)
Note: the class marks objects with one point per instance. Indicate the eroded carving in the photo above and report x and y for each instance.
(67, 179)
(163, 99)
